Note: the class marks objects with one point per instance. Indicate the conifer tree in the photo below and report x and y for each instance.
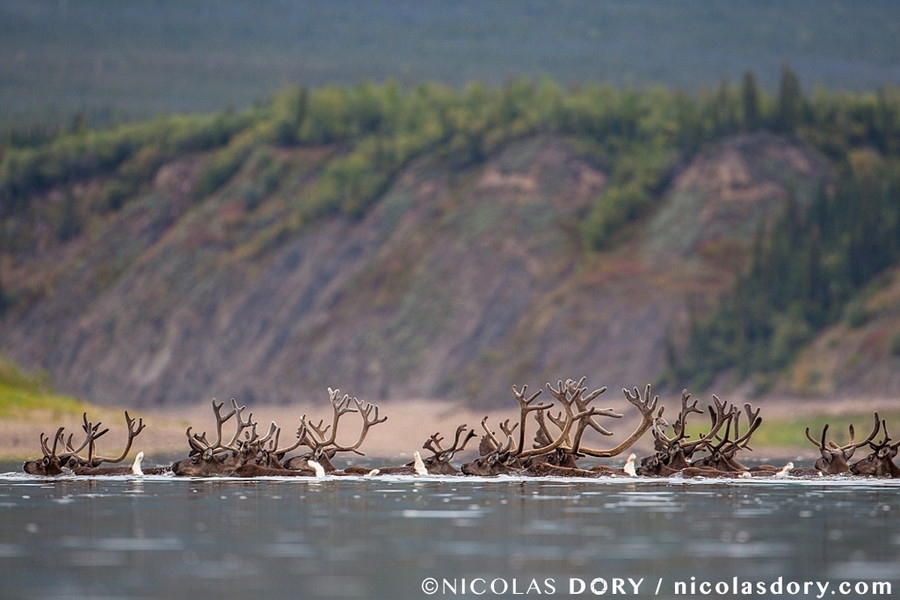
(750, 98)
(4, 300)
(789, 102)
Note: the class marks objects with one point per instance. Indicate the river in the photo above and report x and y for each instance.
(441, 537)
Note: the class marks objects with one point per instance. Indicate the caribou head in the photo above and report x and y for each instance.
(439, 461)
(834, 459)
(880, 462)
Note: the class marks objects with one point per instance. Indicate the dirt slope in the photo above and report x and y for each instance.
(455, 285)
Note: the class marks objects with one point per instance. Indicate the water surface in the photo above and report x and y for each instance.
(404, 537)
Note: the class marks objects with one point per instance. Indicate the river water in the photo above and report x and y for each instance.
(447, 537)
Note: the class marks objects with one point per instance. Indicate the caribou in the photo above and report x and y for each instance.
(323, 445)
(834, 459)
(880, 462)
(675, 455)
(246, 454)
(63, 457)
(555, 453)
(559, 439)
(219, 458)
(439, 461)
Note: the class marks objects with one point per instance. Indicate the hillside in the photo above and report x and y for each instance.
(859, 356)
(425, 243)
(456, 284)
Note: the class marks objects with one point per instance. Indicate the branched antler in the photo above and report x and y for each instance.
(134, 428)
(645, 405)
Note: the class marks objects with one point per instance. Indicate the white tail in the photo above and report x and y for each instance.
(136, 466)
(629, 465)
(419, 464)
(785, 471)
(320, 471)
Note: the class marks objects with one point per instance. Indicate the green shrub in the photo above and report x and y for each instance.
(856, 314)
(223, 165)
(894, 344)
(115, 193)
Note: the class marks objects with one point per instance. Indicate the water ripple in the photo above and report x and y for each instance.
(712, 549)
(412, 513)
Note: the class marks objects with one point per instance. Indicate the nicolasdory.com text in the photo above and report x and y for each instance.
(639, 586)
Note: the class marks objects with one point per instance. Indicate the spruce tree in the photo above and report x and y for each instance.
(750, 98)
(789, 101)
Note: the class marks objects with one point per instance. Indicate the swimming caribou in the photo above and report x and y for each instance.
(63, 457)
(542, 442)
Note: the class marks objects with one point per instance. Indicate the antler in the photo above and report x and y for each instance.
(646, 406)
(434, 444)
(886, 442)
(56, 439)
(720, 414)
(848, 449)
(314, 436)
(133, 432)
(370, 417)
(242, 425)
(664, 443)
(680, 425)
(525, 407)
(201, 446)
(566, 394)
(722, 455)
(754, 421)
(280, 453)
(91, 434)
(198, 442)
(879, 463)
(577, 391)
(489, 442)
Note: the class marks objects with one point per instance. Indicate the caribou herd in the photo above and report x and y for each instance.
(548, 439)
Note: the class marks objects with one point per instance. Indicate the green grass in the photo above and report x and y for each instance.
(791, 433)
(21, 393)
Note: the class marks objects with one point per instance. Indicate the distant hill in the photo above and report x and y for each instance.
(408, 243)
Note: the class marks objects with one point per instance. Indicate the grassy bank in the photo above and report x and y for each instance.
(23, 395)
(29, 407)
(790, 432)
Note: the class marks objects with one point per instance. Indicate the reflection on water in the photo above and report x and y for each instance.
(164, 537)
